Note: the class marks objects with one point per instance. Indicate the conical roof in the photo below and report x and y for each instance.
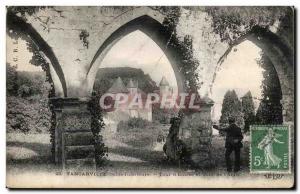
(163, 82)
(118, 87)
(131, 84)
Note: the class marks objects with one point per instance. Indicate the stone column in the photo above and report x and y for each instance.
(74, 141)
(196, 133)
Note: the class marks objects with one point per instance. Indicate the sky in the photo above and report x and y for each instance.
(137, 50)
(240, 72)
(24, 56)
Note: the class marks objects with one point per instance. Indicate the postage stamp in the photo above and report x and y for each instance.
(270, 149)
(157, 97)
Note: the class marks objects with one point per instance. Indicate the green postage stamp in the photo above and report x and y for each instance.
(270, 149)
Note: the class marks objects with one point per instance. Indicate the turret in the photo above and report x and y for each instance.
(132, 87)
(164, 86)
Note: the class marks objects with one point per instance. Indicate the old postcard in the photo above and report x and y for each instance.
(150, 97)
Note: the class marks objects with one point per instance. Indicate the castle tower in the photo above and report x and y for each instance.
(118, 87)
(164, 86)
(132, 87)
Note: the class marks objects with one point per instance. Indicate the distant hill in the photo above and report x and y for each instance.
(106, 76)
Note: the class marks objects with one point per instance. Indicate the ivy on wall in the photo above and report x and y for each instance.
(37, 59)
(83, 36)
(188, 64)
(233, 22)
(97, 125)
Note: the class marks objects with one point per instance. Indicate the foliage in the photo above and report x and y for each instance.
(270, 108)
(232, 22)
(163, 116)
(248, 110)
(188, 64)
(23, 10)
(97, 124)
(173, 140)
(133, 123)
(26, 84)
(231, 107)
(15, 29)
(11, 77)
(104, 80)
(83, 36)
(31, 115)
(27, 103)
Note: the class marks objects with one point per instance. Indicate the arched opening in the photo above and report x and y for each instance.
(34, 76)
(278, 57)
(153, 29)
(251, 84)
(248, 75)
(18, 27)
(135, 64)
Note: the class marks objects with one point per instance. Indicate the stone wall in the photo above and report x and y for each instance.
(75, 35)
(195, 131)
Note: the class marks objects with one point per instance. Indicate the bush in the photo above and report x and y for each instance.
(163, 116)
(24, 91)
(28, 115)
(132, 123)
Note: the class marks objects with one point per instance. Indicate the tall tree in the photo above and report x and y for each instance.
(248, 110)
(231, 107)
(270, 108)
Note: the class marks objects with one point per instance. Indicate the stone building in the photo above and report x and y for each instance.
(73, 41)
(125, 111)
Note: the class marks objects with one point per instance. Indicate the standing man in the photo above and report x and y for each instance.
(233, 142)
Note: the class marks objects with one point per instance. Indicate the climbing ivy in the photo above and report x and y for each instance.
(97, 125)
(83, 37)
(23, 10)
(188, 64)
(14, 31)
(233, 22)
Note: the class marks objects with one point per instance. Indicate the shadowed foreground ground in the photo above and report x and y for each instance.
(127, 153)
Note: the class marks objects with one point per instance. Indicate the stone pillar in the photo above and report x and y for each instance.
(74, 141)
(195, 132)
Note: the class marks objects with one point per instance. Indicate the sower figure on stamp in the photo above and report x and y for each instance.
(233, 142)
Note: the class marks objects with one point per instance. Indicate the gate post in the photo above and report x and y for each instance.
(74, 141)
(195, 131)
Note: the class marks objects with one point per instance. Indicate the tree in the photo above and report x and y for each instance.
(231, 107)
(11, 78)
(248, 110)
(270, 108)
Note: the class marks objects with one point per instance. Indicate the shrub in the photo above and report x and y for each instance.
(132, 123)
(27, 115)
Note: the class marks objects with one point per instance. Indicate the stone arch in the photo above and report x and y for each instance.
(282, 58)
(154, 30)
(15, 22)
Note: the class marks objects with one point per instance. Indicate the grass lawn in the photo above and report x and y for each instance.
(135, 151)
(28, 152)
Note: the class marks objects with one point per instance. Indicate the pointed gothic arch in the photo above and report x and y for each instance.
(154, 30)
(16, 23)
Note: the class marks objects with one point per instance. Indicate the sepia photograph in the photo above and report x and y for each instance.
(153, 97)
